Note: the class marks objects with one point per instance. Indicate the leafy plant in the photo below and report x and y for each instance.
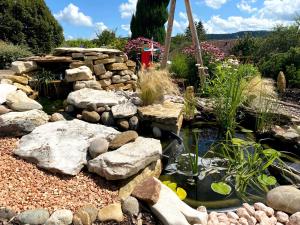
(10, 53)
(154, 84)
(221, 188)
(247, 166)
(179, 66)
(189, 103)
(43, 79)
(193, 152)
(181, 193)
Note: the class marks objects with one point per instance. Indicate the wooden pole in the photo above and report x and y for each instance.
(169, 33)
(195, 42)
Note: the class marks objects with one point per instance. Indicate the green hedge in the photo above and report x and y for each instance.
(10, 53)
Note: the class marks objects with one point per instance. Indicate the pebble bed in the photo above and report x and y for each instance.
(23, 186)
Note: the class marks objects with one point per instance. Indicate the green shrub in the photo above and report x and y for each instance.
(84, 43)
(10, 53)
(180, 66)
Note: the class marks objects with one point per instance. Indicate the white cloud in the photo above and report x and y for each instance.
(215, 4)
(72, 15)
(237, 23)
(100, 26)
(128, 8)
(126, 27)
(245, 6)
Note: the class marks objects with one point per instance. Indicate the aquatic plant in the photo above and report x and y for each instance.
(189, 103)
(227, 88)
(193, 152)
(43, 79)
(181, 193)
(247, 166)
(154, 84)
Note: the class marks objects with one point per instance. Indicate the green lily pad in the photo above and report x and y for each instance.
(221, 188)
(267, 180)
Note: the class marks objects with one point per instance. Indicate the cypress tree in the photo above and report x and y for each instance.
(149, 19)
(200, 31)
(29, 22)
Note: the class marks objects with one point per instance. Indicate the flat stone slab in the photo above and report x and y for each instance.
(128, 160)
(168, 113)
(61, 51)
(61, 146)
(49, 59)
(21, 123)
(124, 110)
(85, 96)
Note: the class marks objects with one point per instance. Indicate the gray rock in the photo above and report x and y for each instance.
(127, 160)
(100, 110)
(21, 123)
(91, 210)
(284, 198)
(93, 84)
(111, 212)
(33, 217)
(6, 89)
(105, 82)
(134, 77)
(79, 74)
(107, 119)
(83, 97)
(122, 139)
(23, 66)
(170, 210)
(69, 108)
(60, 217)
(90, 116)
(124, 110)
(294, 219)
(131, 206)
(99, 69)
(4, 109)
(134, 123)
(116, 79)
(156, 132)
(98, 146)
(56, 117)
(61, 146)
(107, 75)
(19, 101)
(6, 213)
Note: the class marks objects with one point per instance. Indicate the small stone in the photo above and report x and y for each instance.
(111, 212)
(262, 207)
(6, 81)
(92, 84)
(202, 209)
(105, 82)
(123, 124)
(107, 108)
(156, 132)
(69, 108)
(79, 116)
(242, 212)
(232, 215)
(122, 139)
(252, 220)
(105, 61)
(107, 119)
(134, 123)
(99, 69)
(294, 219)
(60, 217)
(78, 74)
(33, 217)
(243, 221)
(260, 215)
(282, 217)
(148, 191)
(4, 109)
(131, 63)
(84, 217)
(91, 210)
(250, 209)
(91, 107)
(107, 75)
(92, 117)
(116, 66)
(6, 213)
(56, 117)
(131, 206)
(134, 77)
(100, 110)
(77, 220)
(98, 146)
(213, 218)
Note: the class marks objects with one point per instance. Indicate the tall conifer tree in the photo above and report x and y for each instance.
(149, 19)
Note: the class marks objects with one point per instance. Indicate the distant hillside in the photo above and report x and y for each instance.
(236, 35)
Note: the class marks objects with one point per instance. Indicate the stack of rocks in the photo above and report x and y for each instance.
(99, 68)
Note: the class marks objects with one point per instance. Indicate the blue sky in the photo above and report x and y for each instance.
(83, 18)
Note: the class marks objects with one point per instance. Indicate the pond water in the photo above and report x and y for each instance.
(177, 161)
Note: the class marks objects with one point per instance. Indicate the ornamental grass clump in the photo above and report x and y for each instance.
(154, 84)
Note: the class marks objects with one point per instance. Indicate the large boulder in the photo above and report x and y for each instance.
(128, 160)
(19, 101)
(284, 198)
(79, 74)
(170, 210)
(23, 66)
(21, 123)
(10, 75)
(124, 110)
(61, 146)
(86, 96)
(6, 89)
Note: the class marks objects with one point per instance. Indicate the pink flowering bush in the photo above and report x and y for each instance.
(135, 46)
(208, 49)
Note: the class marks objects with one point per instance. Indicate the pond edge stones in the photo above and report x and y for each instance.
(128, 160)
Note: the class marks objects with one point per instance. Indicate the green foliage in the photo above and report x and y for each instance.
(42, 81)
(200, 31)
(105, 37)
(149, 20)
(189, 105)
(221, 188)
(227, 87)
(10, 53)
(180, 67)
(84, 43)
(193, 152)
(245, 48)
(29, 22)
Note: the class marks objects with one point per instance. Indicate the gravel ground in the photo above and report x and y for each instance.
(23, 186)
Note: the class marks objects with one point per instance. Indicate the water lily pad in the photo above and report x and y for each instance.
(267, 180)
(181, 193)
(221, 188)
